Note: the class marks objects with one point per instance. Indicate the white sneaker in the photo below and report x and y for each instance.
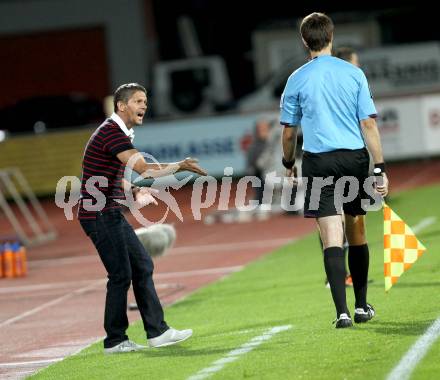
(125, 346)
(169, 337)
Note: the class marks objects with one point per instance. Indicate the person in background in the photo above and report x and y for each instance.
(256, 149)
(347, 54)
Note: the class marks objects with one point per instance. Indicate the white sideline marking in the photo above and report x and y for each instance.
(63, 261)
(34, 362)
(44, 286)
(244, 245)
(247, 331)
(93, 283)
(235, 354)
(426, 222)
(199, 272)
(60, 285)
(62, 349)
(419, 349)
(416, 353)
(51, 303)
(215, 247)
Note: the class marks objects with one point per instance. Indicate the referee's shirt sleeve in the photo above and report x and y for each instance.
(117, 141)
(290, 109)
(365, 105)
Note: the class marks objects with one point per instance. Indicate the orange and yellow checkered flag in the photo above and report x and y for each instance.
(401, 247)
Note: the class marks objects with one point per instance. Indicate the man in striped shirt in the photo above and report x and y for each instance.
(107, 153)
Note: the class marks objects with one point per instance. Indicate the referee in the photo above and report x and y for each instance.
(330, 100)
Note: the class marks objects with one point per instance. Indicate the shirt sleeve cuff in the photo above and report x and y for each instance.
(286, 124)
(371, 116)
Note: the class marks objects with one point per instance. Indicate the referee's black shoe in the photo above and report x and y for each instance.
(362, 315)
(343, 321)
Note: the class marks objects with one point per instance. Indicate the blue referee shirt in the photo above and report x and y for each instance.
(327, 97)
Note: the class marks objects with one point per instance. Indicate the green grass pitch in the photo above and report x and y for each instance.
(287, 287)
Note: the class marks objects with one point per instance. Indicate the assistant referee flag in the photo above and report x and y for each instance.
(401, 247)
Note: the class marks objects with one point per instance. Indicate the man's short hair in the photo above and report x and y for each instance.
(317, 31)
(124, 92)
(344, 52)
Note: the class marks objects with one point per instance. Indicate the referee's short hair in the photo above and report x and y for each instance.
(317, 31)
(124, 92)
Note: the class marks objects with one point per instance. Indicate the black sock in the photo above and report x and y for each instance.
(334, 263)
(358, 262)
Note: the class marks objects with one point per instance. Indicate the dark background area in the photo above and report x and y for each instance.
(225, 27)
(62, 76)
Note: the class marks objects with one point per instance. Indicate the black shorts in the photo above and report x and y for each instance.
(336, 164)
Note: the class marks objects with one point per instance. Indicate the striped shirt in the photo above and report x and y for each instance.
(101, 163)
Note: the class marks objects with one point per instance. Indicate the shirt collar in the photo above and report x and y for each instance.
(129, 132)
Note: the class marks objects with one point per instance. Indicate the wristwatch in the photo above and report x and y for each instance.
(379, 168)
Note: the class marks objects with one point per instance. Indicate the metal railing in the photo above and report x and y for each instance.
(15, 188)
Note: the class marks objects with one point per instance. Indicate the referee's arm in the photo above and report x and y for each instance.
(290, 134)
(289, 139)
(372, 139)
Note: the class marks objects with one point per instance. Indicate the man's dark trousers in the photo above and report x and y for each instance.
(125, 260)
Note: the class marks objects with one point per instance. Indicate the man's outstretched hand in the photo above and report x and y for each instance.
(191, 165)
(145, 196)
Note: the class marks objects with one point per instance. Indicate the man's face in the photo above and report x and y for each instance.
(134, 110)
(263, 129)
(355, 60)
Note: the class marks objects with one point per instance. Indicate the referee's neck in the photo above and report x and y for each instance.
(326, 51)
